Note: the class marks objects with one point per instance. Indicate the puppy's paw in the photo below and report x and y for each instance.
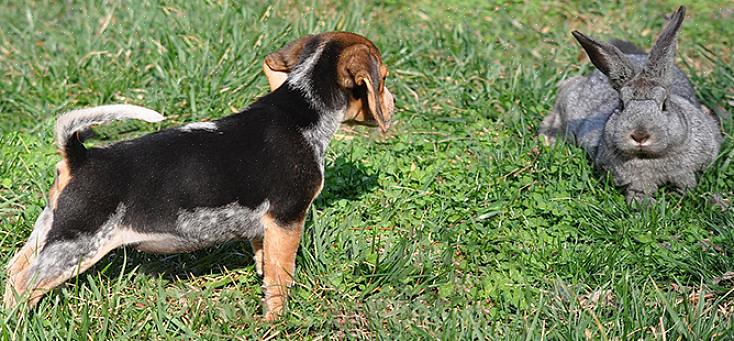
(272, 313)
(9, 300)
(271, 316)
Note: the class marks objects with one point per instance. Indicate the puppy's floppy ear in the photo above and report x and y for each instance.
(279, 64)
(608, 59)
(359, 67)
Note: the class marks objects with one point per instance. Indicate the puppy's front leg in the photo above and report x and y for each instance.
(280, 244)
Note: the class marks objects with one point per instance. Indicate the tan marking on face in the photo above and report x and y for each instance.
(379, 107)
(63, 177)
(360, 71)
(280, 244)
(356, 112)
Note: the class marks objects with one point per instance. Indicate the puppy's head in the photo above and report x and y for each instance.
(336, 62)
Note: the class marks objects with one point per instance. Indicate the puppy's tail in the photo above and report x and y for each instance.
(71, 125)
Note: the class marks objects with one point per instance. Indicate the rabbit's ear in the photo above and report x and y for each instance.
(662, 55)
(608, 59)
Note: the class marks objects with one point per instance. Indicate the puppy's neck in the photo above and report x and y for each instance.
(320, 133)
(315, 79)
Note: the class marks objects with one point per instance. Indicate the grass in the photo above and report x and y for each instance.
(458, 224)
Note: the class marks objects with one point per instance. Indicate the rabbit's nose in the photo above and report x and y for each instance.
(640, 136)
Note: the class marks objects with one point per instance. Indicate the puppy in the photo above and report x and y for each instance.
(250, 176)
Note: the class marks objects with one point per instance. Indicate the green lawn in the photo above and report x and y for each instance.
(458, 224)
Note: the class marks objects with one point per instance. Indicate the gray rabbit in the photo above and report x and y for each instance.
(637, 115)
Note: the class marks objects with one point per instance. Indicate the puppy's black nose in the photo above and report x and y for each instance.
(640, 136)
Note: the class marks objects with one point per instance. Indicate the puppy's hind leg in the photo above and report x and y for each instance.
(17, 268)
(61, 259)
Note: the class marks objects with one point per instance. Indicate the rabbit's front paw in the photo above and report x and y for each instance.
(639, 198)
(685, 182)
(547, 140)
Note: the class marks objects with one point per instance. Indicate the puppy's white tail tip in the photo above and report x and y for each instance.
(116, 112)
(76, 120)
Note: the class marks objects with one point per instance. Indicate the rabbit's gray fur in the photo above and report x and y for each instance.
(616, 114)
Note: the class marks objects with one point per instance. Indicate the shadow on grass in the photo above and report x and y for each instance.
(345, 180)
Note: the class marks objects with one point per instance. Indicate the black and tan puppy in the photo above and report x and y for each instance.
(250, 176)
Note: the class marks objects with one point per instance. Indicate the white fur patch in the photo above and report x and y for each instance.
(302, 79)
(153, 242)
(301, 76)
(319, 135)
(208, 126)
